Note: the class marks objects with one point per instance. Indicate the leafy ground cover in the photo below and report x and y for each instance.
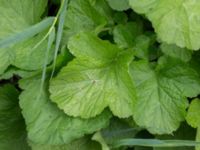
(99, 75)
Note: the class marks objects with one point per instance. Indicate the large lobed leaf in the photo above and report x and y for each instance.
(162, 92)
(46, 124)
(97, 78)
(175, 22)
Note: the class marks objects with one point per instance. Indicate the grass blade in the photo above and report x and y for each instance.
(49, 45)
(155, 143)
(27, 33)
(59, 32)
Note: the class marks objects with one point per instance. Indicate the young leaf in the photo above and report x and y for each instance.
(124, 35)
(193, 118)
(174, 51)
(97, 78)
(119, 5)
(85, 15)
(141, 46)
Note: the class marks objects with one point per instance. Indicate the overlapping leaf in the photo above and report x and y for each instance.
(97, 78)
(87, 15)
(12, 127)
(193, 113)
(22, 15)
(119, 5)
(124, 35)
(162, 92)
(175, 22)
(176, 52)
(152, 91)
(46, 124)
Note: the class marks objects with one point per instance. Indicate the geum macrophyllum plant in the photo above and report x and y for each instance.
(99, 75)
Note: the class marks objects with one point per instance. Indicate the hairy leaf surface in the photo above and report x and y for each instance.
(46, 124)
(97, 78)
(162, 92)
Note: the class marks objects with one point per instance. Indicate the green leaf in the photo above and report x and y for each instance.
(87, 15)
(48, 124)
(190, 76)
(11, 71)
(12, 127)
(6, 58)
(141, 46)
(97, 78)
(176, 52)
(28, 56)
(143, 6)
(162, 94)
(83, 143)
(119, 5)
(193, 115)
(175, 22)
(124, 35)
(23, 20)
(193, 118)
(21, 15)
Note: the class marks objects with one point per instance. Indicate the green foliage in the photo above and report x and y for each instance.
(47, 116)
(97, 78)
(99, 75)
(119, 4)
(162, 93)
(175, 22)
(12, 127)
